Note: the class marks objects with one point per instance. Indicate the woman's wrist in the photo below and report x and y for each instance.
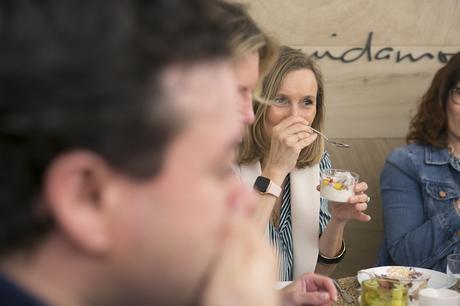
(331, 239)
(331, 260)
(274, 174)
(337, 223)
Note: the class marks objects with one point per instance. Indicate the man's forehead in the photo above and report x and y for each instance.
(206, 96)
(204, 88)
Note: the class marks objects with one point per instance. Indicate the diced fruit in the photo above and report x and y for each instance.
(383, 292)
(370, 297)
(338, 186)
(383, 283)
(325, 182)
(397, 303)
(373, 283)
(378, 303)
(397, 294)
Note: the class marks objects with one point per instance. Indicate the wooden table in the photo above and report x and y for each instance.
(351, 285)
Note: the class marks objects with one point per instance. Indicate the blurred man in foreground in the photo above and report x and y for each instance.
(118, 124)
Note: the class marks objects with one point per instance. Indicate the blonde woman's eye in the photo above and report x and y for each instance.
(308, 102)
(280, 100)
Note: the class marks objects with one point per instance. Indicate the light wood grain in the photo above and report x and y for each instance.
(374, 99)
(408, 22)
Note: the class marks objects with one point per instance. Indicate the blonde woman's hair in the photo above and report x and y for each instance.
(246, 37)
(256, 143)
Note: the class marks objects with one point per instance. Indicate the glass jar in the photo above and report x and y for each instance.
(383, 292)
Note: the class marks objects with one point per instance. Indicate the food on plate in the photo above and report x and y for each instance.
(415, 280)
(404, 273)
(337, 185)
(381, 292)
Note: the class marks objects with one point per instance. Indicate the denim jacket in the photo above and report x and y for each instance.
(419, 185)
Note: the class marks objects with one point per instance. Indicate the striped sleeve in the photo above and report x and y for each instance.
(324, 215)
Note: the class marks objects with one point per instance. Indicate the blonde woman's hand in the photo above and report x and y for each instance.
(354, 208)
(288, 138)
(244, 273)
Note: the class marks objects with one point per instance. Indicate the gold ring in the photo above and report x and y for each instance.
(368, 199)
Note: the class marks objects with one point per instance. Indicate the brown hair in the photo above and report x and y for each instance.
(246, 37)
(429, 125)
(256, 143)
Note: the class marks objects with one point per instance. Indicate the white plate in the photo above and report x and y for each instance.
(437, 280)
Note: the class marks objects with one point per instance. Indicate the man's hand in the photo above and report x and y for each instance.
(309, 289)
(244, 274)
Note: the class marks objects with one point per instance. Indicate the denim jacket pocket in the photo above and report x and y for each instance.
(439, 197)
(442, 191)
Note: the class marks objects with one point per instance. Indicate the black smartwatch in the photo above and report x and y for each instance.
(266, 186)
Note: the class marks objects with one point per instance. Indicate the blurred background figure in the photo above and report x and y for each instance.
(253, 53)
(420, 183)
(107, 195)
(281, 147)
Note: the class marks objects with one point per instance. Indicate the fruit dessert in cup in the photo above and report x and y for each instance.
(338, 185)
(409, 276)
(379, 292)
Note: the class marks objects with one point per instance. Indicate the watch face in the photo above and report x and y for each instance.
(262, 184)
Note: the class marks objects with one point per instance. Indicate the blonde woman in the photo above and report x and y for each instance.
(281, 149)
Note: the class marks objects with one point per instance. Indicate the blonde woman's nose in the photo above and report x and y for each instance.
(294, 110)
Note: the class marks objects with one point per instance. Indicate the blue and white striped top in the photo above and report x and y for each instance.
(282, 239)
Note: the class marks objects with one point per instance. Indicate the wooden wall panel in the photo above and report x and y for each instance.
(407, 22)
(374, 99)
(364, 97)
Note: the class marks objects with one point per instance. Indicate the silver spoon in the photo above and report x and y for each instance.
(345, 296)
(332, 142)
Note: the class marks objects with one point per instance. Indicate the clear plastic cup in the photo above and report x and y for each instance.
(384, 293)
(453, 270)
(338, 185)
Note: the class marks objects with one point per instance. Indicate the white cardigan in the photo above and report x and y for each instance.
(305, 206)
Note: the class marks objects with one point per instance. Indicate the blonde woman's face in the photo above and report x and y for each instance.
(296, 97)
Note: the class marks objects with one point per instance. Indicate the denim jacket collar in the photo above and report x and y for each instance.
(436, 156)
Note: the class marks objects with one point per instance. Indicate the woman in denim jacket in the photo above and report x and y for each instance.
(420, 183)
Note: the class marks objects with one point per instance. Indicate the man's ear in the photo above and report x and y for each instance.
(73, 190)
